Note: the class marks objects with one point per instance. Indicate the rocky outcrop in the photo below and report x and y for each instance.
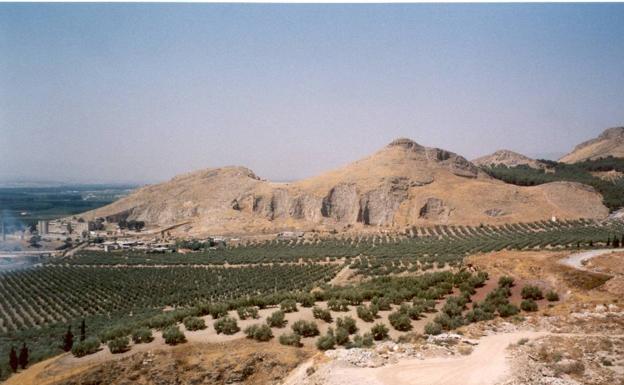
(378, 207)
(341, 204)
(435, 209)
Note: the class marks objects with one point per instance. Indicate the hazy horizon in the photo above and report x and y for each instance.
(141, 92)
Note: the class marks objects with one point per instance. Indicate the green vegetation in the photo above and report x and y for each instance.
(288, 306)
(45, 300)
(612, 191)
(277, 319)
(322, 314)
(86, 347)
(433, 328)
(532, 292)
(226, 325)
(363, 341)
(259, 332)
(400, 321)
(119, 345)
(367, 314)
(552, 296)
(173, 335)
(305, 328)
(379, 332)
(528, 305)
(194, 323)
(291, 339)
(348, 324)
(327, 341)
(142, 335)
(245, 312)
(71, 292)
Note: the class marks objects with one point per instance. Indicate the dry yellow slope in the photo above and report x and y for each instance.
(609, 143)
(403, 184)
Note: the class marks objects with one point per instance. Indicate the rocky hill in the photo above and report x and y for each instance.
(507, 158)
(610, 142)
(403, 184)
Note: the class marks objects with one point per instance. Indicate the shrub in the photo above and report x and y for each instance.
(433, 328)
(115, 332)
(365, 314)
(322, 314)
(532, 292)
(276, 319)
(379, 332)
(218, 310)
(194, 323)
(338, 304)
(382, 303)
(400, 321)
(226, 325)
(478, 314)
(552, 296)
(447, 322)
(506, 310)
(342, 336)
(142, 335)
(119, 345)
(326, 342)
(305, 328)
(86, 347)
(247, 312)
(173, 336)
(348, 324)
(364, 341)
(288, 306)
(307, 300)
(291, 339)
(528, 305)
(505, 281)
(259, 332)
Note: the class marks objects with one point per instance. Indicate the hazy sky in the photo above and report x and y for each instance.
(113, 92)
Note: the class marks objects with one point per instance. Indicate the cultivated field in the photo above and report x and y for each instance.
(390, 274)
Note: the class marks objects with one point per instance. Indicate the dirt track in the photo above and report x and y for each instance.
(486, 365)
(576, 260)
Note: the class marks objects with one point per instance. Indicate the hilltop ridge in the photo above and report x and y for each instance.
(609, 143)
(507, 158)
(402, 184)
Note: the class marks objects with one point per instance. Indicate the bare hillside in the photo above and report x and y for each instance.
(403, 184)
(609, 143)
(507, 158)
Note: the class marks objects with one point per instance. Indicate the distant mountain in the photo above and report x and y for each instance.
(403, 184)
(609, 143)
(508, 158)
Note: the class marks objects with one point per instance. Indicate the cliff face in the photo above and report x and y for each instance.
(403, 184)
(609, 143)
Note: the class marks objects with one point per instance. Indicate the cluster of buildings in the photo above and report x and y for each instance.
(65, 228)
(147, 245)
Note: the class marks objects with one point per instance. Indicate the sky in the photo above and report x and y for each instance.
(142, 92)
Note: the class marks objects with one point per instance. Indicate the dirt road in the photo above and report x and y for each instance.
(487, 365)
(576, 260)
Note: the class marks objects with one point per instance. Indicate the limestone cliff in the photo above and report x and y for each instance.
(403, 184)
